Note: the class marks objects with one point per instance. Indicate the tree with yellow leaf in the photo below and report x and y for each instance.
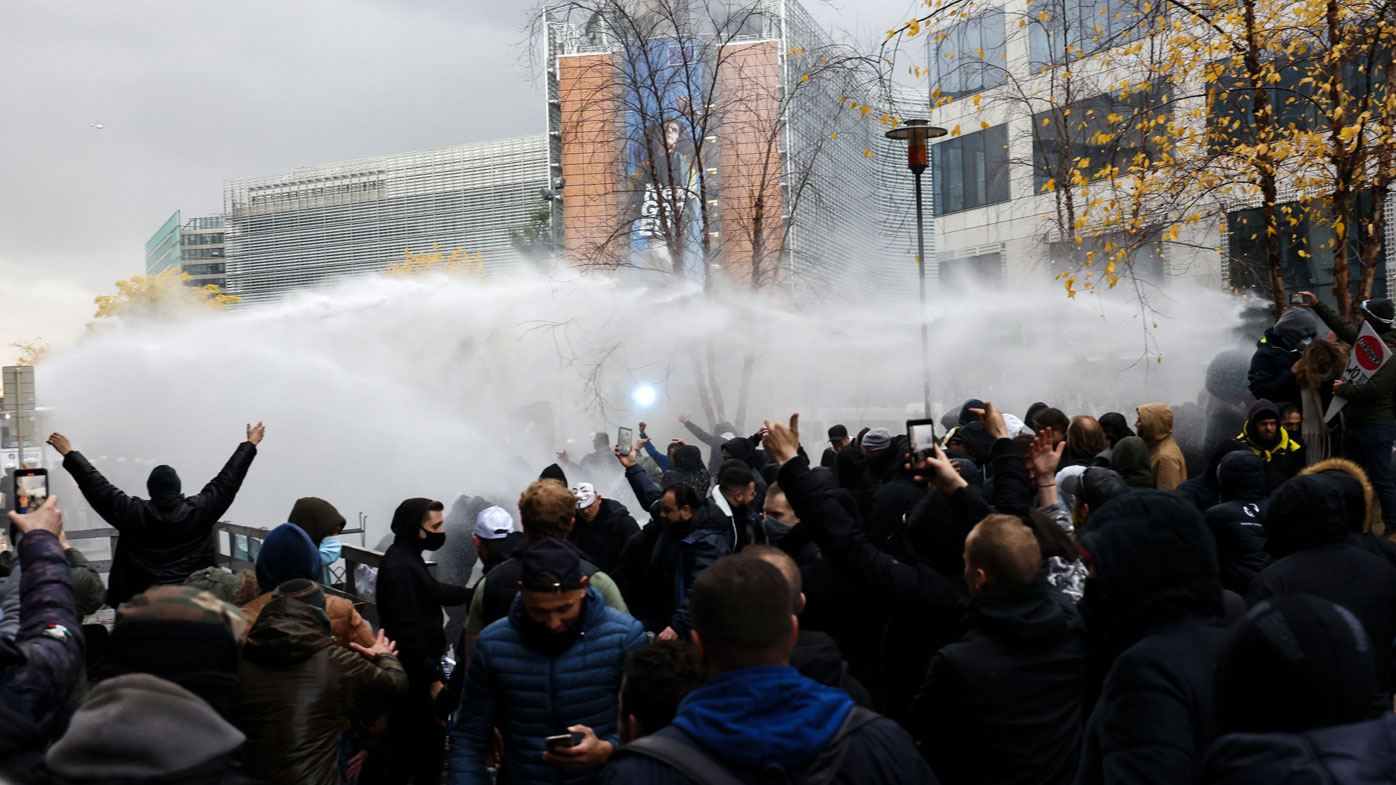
(31, 351)
(153, 297)
(436, 260)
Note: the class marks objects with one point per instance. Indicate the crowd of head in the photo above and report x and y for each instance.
(1053, 598)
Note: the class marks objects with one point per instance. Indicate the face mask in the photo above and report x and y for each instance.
(777, 531)
(329, 550)
(433, 541)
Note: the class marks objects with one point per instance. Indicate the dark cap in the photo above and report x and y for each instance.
(838, 433)
(551, 565)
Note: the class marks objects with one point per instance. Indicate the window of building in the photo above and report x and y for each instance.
(961, 272)
(1078, 28)
(1297, 100)
(1307, 249)
(970, 171)
(1140, 256)
(971, 56)
(1100, 130)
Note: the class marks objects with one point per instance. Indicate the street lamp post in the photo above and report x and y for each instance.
(553, 196)
(915, 133)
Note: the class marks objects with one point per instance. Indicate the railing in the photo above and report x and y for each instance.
(236, 554)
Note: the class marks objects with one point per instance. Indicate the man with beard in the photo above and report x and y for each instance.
(1262, 434)
(560, 647)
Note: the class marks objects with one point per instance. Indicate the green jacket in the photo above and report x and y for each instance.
(1370, 403)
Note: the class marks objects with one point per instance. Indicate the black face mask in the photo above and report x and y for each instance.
(433, 541)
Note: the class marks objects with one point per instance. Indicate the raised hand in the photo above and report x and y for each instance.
(782, 442)
(47, 518)
(60, 443)
(255, 433)
(1044, 458)
(992, 420)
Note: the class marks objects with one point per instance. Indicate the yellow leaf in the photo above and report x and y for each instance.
(804, 78)
(984, 125)
(867, 154)
(834, 135)
(955, 131)
(866, 109)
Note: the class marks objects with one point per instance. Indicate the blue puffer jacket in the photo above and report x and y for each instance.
(1362, 754)
(530, 696)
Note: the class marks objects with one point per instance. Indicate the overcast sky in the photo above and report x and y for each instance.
(191, 93)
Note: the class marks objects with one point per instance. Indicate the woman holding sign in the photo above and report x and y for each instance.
(1365, 392)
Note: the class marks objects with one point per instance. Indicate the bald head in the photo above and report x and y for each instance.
(781, 561)
(1001, 553)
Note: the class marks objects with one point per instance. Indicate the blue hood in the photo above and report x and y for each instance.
(287, 553)
(764, 716)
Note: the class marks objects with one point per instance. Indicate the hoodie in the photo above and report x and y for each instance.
(1115, 422)
(1270, 376)
(1238, 523)
(1360, 754)
(318, 517)
(1283, 456)
(1130, 458)
(764, 716)
(287, 553)
(410, 598)
(1157, 596)
(1310, 536)
(1165, 458)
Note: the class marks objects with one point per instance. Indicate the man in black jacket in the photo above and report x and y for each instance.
(602, 527)
(1271, 374)
(1003, 704)
(1284, 457)
(1157, 591)
(756, 719)
(816, 655)
(409, 605)
(1318, 555)
(168, 538)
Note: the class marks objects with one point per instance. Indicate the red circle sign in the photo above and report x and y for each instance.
(1369, 351)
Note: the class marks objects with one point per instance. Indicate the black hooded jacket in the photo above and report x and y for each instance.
(1002, 705)
(1317, 554)
(1270, 375)
(410, 599)
(604, 537)
(1238, 522)
(168, 538)
(1157, 591)
(1283, 459)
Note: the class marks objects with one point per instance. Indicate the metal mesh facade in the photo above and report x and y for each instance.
(315, 224)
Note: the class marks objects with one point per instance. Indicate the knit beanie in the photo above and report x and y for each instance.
(182, 635)
(1295, 663)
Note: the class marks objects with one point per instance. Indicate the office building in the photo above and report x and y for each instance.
(317, 224)
(195, 247)
(781, 181)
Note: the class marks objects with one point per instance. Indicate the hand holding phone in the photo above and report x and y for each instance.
(625, 438)
(31, 489)
(560, 742)
(922, 435)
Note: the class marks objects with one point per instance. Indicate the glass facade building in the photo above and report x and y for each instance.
(162, 249)
(316, 224)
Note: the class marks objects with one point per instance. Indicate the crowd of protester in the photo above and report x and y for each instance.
(1049, 599)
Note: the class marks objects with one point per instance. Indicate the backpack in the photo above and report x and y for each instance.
(685, 756)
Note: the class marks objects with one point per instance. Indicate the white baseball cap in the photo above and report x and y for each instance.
(494, 523)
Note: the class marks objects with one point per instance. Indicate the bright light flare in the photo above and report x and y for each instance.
(644, 395)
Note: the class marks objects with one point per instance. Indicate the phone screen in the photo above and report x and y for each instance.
(31, 490)
(922, 435)
(625, 437)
